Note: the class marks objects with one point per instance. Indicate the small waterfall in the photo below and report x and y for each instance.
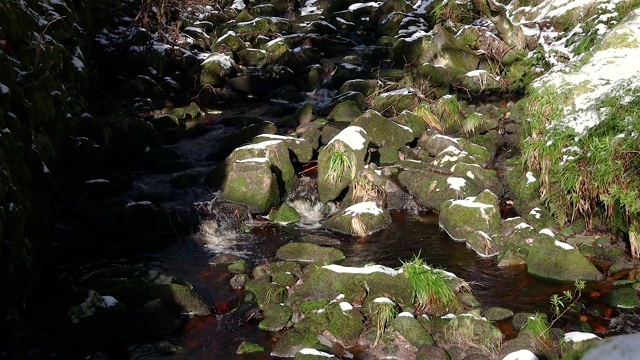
(305, 199)
(221, 224)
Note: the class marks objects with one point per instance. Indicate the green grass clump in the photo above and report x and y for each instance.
(431, 293)
(537, 324)
(339, 166)
(383, 312)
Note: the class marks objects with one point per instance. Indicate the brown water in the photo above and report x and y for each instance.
(218, 337)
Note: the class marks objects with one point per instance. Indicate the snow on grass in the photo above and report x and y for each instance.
(578, 336)
(352, 136)
(368, 269)
(367, 207)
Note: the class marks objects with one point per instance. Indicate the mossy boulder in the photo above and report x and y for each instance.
(409, 50)
(363, 86)
(329, 281)
(307, 252)
(165, 124)
(252, 183)
(481, 178)
(340, 161)
(285, 215)
(432, 189)
(461, 218)
(215, 68)
(551, 259)
(295, 340)
(480, 81)
(394, 102)
(345, 111)
(359, 219)
(383, 131)
(301, 149)
(483, 244)
(412, 330)
(243, 136)
(497, 313)
(229, 41)
(266, 293)
(412, 121)
(624, 298)
(276, 317)
(277, 152)
(446, 50)
(345, 323)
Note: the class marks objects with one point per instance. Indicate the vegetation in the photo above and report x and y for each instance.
(432, 295)
(383, 312)
(537, 324)
(339, 166)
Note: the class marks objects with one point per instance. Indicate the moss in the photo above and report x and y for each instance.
(276, 317)
(306, 252)
(345, 325)
(247, 347)
(625, 298)
(411, 330)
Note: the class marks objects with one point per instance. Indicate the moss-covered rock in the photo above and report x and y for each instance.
(345, 111)
(461, 218)
(285, 215)
(251, 183)
(276, 317)
(394, 102)
(551, 259)
(383, 131)
(432, 189)
(215, 68)
(624, 298)
(411, 330)
(497, 313)
(345, 323)
(359, 219)
(340, 161)
(247, 347)
(306, 252)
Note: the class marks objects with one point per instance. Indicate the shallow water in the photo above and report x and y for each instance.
(218, 337)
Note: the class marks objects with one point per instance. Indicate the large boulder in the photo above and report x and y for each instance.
(432, 189)
(359, 219)
(301, 149)
(395, 101)
(277, 152)
(307, 252)
(552, 259)
(384, 132)
(461, 218)
(215, 68)
(251, 183)
(340, 161)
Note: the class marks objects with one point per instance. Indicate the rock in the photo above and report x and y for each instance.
(616, 347)
(320, 240)
(445, 50)
(284, 215)
(384, 132)
(243, 136)
(229, 41)
(394, 102)
(346, 71)
(306, 252)
(277, 153)
(411, 330)
(266, 292)
(412, 121)
(340, 161)
(215, 68)
(276, 317)
(364, 87)
(165, 124)
(247, 347)
(461, 218)
(480, 177)
(551, 259)
(468, 329)
(329, 281)
(345, 111)
(295, 340)
(479, 81)
(483, 244)
(624, 298)
(359, 219)
(251, 183)
(345, 323)
(497, 313)
(249, 84)
(238, 267)
(432, 189)
(432, 353)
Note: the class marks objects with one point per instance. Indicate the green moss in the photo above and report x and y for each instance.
(247, 347)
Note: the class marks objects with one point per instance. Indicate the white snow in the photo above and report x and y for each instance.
(521, 355)
(309, 8)
(260, 146)
(4, 89)
(383, 300)
(45, 169)
(314, 352)
(403, 91)
(138, 203)
(547, 231)
(563, 245)
(238, 5)
(280, 137)
(225, 61)
(530, 177)
(470, 202)
(254, 160)
(345, 306)
(457, 183)
(367, 207)
(523, 225)
(109, 301)
(6, 130)
(406, 314)
(368, 269)
(536, 213)
(352, 136)
(578, 336)
(363, 5)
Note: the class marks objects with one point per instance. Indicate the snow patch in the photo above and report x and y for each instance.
(521, 355)
(367, 207)
(578, 336)
(563, 245)
(368, 269)
(352, 136)
(314, 352)
(383, 300)
(457, 183)
(345, 306)
(406, 314)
